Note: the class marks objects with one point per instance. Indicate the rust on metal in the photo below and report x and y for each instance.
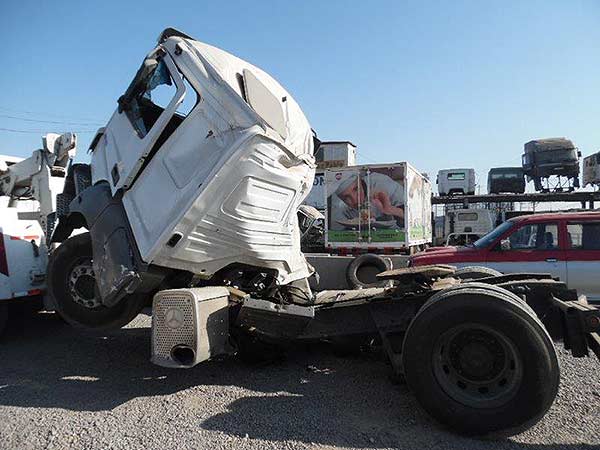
(428, 272)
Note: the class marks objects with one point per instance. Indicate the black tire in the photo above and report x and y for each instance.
(475, 272)
(366, 266)
(75, 254)
(480, 362)
(3, 317)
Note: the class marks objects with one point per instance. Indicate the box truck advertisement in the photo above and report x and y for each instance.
(419, 207)
(374, 206)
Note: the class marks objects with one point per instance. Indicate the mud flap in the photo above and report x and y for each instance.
(116, 259)
(115, 264)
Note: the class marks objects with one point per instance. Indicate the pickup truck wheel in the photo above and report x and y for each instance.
(480, 362)
(72, 286)
(3, 317)
(475, 272)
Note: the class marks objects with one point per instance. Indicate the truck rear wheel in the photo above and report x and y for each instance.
(72, 286)
(480, 362)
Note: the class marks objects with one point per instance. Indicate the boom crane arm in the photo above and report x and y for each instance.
(40, 176)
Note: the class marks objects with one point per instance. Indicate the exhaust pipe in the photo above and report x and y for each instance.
(183, 355)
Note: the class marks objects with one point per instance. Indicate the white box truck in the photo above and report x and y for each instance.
(377, 206)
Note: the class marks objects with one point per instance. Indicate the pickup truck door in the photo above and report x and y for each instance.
(144, 112)
(531, 247)
(583, 258)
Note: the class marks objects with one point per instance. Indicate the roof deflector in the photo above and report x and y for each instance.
(169, 32)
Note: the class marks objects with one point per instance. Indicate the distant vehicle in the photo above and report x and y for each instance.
(456, 181)
(591, 169)
(543, 158)
(506, 180)
(463, 226)
(566, 245)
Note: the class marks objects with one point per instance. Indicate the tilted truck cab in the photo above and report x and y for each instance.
(198, 174)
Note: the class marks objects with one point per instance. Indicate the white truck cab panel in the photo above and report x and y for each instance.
(218, 184)
(23, 256)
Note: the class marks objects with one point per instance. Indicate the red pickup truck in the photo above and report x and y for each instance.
(566, 245)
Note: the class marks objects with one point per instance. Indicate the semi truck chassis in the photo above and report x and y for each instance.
(478, 354)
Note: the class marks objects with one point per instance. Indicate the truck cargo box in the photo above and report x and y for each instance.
(377, 206)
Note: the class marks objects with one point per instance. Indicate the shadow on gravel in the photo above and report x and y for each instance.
(312, 397)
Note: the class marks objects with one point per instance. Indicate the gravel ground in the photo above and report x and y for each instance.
(62, 389)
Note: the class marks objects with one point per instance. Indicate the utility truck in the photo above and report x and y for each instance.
(28, 190)
(196, 208)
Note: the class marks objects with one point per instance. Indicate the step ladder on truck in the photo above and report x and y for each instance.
(196, 208)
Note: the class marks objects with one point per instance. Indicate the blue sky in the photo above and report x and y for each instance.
(439, 84)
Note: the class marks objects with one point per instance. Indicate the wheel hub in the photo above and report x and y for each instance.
(476, 356)
(477, 366)
(82, 285)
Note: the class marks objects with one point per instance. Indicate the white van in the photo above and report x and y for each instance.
(456, 181)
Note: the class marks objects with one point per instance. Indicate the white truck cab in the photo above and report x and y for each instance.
(463, 226)
(456, 181)
(199, 173)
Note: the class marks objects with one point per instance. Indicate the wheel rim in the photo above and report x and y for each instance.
(477, 366)
(82, 285)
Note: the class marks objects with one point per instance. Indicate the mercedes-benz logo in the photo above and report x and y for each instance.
(174, 318)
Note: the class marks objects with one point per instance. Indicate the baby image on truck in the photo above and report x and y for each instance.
(362, 198)
(350, 206)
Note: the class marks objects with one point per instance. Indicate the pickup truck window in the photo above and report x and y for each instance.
(536, 236)
(491, 237)
(584, 236)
